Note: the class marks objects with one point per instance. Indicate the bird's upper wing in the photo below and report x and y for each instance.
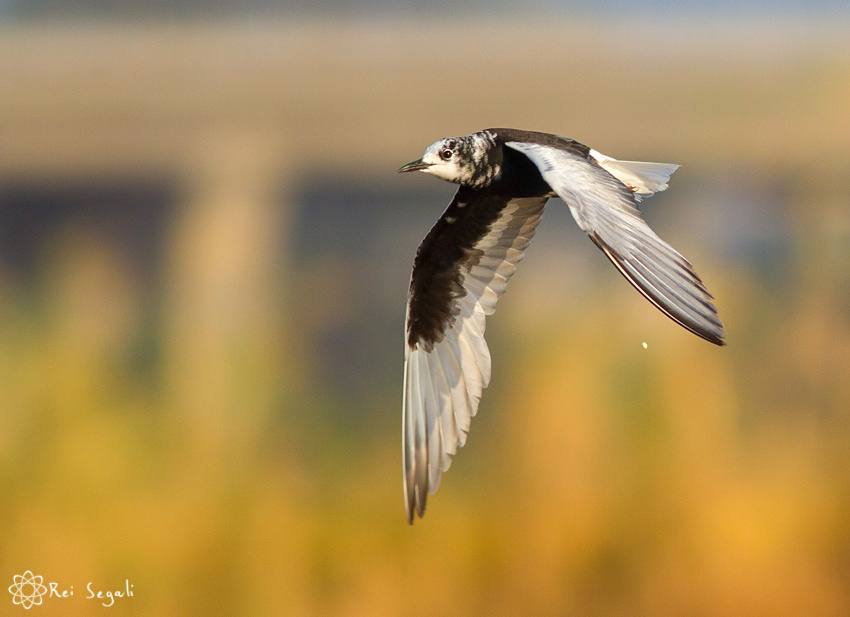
(461, 269)
(605, 209)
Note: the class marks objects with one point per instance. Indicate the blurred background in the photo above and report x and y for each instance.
(204, 258)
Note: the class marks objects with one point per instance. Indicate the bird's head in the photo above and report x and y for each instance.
(462, 160)
(442, 159)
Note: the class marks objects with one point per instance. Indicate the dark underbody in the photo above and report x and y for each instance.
(436, 283)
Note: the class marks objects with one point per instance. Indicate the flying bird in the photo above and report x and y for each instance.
(464, 263)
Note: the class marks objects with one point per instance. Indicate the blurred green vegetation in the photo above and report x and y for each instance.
(211, 409)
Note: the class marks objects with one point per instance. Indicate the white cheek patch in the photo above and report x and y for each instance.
(449, 171)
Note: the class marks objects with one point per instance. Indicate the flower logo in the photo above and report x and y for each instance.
(27, 589)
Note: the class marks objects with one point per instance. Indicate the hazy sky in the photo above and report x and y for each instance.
(28, 9)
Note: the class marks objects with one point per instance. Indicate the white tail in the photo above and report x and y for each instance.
(644, 179)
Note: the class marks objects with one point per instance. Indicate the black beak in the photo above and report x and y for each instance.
(414, 166)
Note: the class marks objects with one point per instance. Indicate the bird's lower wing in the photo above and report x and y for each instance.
(605, 209)
(461, 269)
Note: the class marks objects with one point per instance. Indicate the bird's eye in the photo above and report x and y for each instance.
(446, 154)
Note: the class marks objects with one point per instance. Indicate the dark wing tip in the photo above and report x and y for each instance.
(409, 506)
(416, 498)
(717, 337)
(408, 500)
(415, 476)
(700, 318)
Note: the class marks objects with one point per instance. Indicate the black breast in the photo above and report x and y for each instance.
(520, 177)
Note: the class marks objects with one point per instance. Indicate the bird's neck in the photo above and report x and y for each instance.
(482, 160)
